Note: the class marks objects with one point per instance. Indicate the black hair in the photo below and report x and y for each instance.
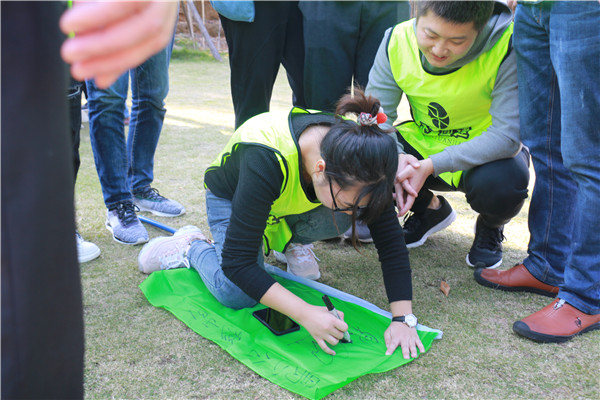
(459, 12)
(361, 154)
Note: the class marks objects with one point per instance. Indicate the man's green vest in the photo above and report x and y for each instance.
(447, 109)
(273, 131)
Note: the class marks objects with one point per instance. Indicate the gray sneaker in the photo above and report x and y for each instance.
(148, 199)
(123, 223)
(168, 252)
(362, 233)
(300, 260)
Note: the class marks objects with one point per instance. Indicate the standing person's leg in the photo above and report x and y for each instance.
(331, 32)
(149, 88)
(42, 315)
(74, 97)
(554, 191)
(106, 108)
(575, 52)
(293, 54)
(86, 251)
(562, 250)
(375, 18)
(107, 133)
(255, 53)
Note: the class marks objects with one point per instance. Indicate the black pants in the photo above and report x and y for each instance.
(256, 49)
(496, 190)
(341, 39)
(42, 318)
(74, 98)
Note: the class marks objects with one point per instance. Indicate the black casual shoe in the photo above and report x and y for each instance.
(486, 251)
(418, 227)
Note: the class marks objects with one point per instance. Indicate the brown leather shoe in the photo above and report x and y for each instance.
(516, 279)
(555, 323)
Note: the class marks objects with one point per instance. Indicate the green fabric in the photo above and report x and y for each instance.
(293, 361)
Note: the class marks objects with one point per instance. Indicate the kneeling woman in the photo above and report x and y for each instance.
(297, 178)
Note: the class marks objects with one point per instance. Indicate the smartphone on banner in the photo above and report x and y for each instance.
(278, 323)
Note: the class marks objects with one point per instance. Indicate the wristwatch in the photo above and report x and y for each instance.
(409, 319)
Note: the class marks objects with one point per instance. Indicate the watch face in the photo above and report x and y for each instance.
(410, 320)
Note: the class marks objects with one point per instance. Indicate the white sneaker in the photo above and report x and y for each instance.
(300, 260)
(86, 251)
(167, 252)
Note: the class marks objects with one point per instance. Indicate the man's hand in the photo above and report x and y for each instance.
(410, 178)
(112, 37)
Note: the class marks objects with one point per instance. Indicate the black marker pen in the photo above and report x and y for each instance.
(333, 311)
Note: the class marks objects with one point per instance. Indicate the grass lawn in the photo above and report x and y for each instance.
(134, 350)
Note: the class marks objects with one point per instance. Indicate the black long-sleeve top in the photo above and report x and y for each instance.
(252, 178)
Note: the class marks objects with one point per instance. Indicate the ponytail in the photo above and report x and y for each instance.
(361, 154)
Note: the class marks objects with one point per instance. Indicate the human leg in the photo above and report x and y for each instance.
(106, 107)
(74, 97)
(575, 52)
(331, 30)
(552, 40)
(375, 18)
(497, 191)
(255, 53)
(86, 251)
(42, 313)
(293, 54)
(107, 136)
(206, 258)
(149, 88)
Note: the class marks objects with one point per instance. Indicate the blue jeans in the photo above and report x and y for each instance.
(558, 54)
(206, 259)
(123, 167)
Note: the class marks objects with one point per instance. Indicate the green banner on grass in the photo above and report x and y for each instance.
(293, 361)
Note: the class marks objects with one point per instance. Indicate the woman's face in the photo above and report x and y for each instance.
(443, 42)
(329, 194)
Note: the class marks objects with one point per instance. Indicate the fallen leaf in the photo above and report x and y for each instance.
(445, 288)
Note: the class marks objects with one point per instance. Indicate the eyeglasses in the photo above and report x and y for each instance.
(359, 209)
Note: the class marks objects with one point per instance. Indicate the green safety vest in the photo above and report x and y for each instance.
(274, 132)
(447, 109)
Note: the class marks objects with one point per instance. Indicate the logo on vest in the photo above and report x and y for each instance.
(273, 220)
(441, 121)
(439, 116)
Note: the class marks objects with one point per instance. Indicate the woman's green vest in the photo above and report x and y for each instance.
(273, 131)
(447, 109)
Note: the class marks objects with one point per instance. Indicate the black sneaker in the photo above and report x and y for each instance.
(418, 227)
(486, 251)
